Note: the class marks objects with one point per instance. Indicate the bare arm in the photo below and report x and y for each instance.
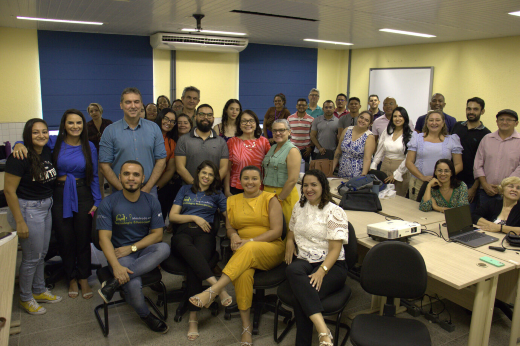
(457, 162)
(332, 257)
(227, 181)
(11, 183)
(223, 170)
(110, 176)
(370, 147)
(337, 153)
(180, 164)
(314, 140)
(410, 164)
(167, 175)
(293, 160)
(275, 223)
(158, 169)
(340, 132)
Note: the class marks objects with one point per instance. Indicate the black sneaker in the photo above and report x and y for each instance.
(108, 288)
(155, 323)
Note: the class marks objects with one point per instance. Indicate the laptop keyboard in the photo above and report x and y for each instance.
(470, 236)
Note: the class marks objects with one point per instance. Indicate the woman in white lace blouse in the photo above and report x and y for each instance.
(314, 251)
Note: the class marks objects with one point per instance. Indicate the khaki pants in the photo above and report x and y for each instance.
(388, 167)
(415, 187)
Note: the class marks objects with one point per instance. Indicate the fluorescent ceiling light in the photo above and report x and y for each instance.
(216, 32)
(406, 33)
(60, 20)
(517, 13)
(331, 42)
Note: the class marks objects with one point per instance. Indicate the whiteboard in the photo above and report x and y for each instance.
(411, 87)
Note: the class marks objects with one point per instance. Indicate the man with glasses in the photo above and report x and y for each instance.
(341, 104)
(314, 110)
(300, 124)
(202, 143)
(132, 138)
(498, 156)
(324, 132)
(190, 99)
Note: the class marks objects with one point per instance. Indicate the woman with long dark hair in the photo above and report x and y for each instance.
(28, 188)
(163, 102)
(279, 111)
(392, 148)
(183, 126)
(228, 127)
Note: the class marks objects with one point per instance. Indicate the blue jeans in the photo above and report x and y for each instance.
(141, 262)
(484, 197)
(37, 215)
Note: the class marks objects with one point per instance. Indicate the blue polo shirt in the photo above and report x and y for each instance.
(120, 143)
(315, 113)
(199, 203)
(129, 221)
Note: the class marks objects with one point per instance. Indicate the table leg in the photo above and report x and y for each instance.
(515, 322)
(483, 305)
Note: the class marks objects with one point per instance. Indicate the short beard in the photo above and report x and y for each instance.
(131, 190)
(204, 128)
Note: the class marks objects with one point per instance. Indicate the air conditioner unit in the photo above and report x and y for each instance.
(192, 42)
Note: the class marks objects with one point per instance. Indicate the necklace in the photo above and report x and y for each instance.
(249, 146)
(245, 201)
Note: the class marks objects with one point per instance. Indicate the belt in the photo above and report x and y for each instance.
(79, 182)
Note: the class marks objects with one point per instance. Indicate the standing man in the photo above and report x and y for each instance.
(471, 133)
(341, 102)
(202, 143)
(437, 103)
(498, 156)
(190, 99)
(373, 106)
(132, 138)
(350, 119)
(324, 132)
(300, 124)
(130, 226)
(380, 125)
(314, 110)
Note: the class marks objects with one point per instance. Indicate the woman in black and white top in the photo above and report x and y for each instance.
(29, 185)
(317, 231)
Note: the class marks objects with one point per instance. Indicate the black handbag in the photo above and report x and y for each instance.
(364, 200)
(513, 239)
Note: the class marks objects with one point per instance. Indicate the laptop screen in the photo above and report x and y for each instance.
(458, 220)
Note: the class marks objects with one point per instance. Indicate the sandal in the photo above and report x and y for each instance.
(86, 295)
(195, 300)
(226, 301)
(74, 294)
(325, 343)
(192, 336)
(246, 330)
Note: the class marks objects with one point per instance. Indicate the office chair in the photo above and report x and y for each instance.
(395, 270)
(333, 304)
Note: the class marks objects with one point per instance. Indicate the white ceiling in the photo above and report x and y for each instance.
(355, 21)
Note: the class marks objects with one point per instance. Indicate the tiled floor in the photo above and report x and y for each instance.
(72, 322)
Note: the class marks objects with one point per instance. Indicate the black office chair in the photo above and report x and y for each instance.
(333, 304)
(422, 190)
(395, 270)
(153, 278)
(262, 303)
(176, 265)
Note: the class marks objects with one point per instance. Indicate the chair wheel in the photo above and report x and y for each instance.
(177, 318)
(227, 316)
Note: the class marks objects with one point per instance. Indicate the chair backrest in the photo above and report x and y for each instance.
(284, 228)
(351, 255)
(394, 269)
(422, 190)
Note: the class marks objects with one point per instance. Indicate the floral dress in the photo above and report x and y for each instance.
(352, 154)
(459, 197)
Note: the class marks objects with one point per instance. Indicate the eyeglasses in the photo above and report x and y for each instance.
(245, 122)
(445, 171)
(506, 120)
(314, 95)
(279, 131)
(171, 121)
(205, 115)
(177, 107)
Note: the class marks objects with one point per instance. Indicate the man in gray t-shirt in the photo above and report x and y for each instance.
(324, 132)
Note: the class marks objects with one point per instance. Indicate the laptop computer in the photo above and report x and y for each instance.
(461, 230)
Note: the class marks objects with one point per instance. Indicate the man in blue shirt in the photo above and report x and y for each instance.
(314, 110)
(132, 138)
(130, 226)
(437, 103)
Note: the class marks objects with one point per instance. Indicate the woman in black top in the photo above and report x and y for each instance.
(501, 216)
(28, 190)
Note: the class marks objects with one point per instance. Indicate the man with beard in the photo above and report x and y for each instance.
(471, 133)
(202, 143)
(132, 138)
(436, 103)
(130, 226)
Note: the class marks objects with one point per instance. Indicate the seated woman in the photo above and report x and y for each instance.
(444, 191)
(194, 209)
(501, 216)
(354, 152)
(317, 232)
(254, 225)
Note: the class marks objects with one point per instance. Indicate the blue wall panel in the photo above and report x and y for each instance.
(78, 68)
(267, 70)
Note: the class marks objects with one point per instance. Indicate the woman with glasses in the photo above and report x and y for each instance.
(228, 127)
(95, 128)
(274, 113)
(248, 148)
(166, 120)
(444, 191)
(282, 168)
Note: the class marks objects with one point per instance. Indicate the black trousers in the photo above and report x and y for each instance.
(309, 299)
(74, 233)
(235, 191)
(166, 195)
(196, 247)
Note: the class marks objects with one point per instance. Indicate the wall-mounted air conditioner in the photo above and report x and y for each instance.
(221, 44)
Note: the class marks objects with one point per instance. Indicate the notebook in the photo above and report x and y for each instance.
(461, 230)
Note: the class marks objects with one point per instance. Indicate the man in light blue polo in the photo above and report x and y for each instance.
(132, 138)
(314, 110)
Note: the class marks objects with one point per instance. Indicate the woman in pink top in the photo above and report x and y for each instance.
(248, 148)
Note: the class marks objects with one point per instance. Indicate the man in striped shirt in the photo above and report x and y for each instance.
(300, 124)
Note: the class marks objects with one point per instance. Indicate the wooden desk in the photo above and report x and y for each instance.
(8, 249)
(453, 272)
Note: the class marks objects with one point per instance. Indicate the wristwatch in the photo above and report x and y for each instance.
(325, 269)
(134, 248)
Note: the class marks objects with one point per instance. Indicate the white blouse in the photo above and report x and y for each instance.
(313, 228)
(393, 150)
